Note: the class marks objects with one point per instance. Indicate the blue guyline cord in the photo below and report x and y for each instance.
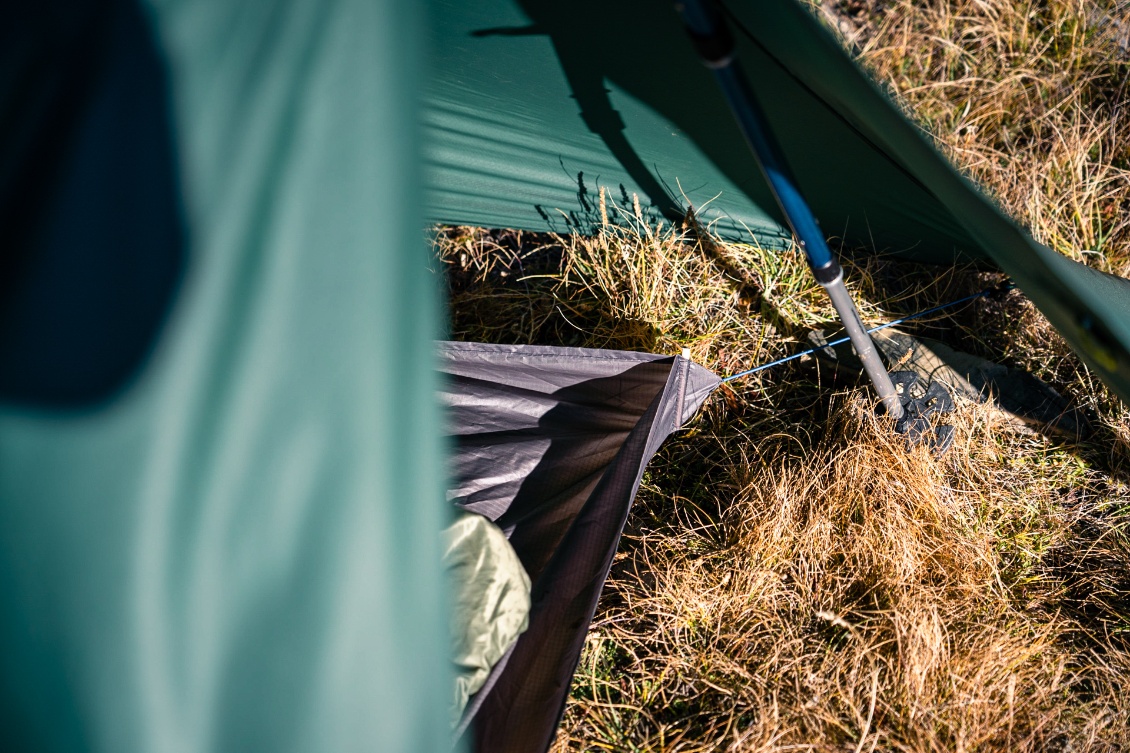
(842, 340)
(715, 45)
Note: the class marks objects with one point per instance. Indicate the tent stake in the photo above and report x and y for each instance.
(715, 46)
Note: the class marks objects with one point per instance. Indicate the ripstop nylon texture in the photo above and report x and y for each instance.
(551, 444)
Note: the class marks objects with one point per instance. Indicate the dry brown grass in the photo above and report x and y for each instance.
(849, 595)
(792, 577)
(1030, 98)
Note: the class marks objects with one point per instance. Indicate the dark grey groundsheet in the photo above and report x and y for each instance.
(551, 444)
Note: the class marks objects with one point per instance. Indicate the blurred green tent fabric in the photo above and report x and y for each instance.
(220, 452)
(223, 534)
(534, 105)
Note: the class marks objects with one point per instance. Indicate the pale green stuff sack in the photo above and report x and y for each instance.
(491, 600)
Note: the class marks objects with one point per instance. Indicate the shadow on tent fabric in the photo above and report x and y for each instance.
(594, 44)
(89, 199)
(551, 444)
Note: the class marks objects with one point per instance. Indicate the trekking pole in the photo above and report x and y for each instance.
(715, 46)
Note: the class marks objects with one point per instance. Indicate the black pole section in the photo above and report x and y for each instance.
(711, 37)
(715, 46)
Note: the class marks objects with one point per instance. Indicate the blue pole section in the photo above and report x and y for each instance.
(750, 119)
(715, 46)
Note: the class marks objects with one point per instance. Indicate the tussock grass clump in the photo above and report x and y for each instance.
(793, 577)
(852, 595)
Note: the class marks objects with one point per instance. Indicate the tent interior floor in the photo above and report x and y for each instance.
(792, 574)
